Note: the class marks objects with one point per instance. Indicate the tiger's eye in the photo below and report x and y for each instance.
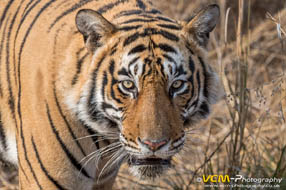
(177, 84)
(128, 84)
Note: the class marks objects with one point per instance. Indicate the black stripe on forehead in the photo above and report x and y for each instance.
(137, 12)
(138, 20)
(123, 71)
(159, 62)
(167, 48)
(165, 19)
(128, 13)
(149, 32)
(169, 58)
(131, 39)
(132, 62)
(180, 71)
(137, 49)
(170, 26)
(128, 28)
(164, 33)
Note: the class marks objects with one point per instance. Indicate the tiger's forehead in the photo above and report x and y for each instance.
(154, 45)
(152, 55)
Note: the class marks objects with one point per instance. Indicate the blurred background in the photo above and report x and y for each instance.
(246, 132)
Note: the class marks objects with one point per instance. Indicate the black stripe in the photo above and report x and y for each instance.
(137, 49)
(111, 67)
(165, 19)
(188, 46)
(147, 74)
(141, 5)
(114, 82)
(128, 28)
(5, 12)
(133, 61)
(1, 48)
(67, 123)
(159, 62)
(146, 16)
(138, 20)
(70, 156)
(108, 106)
(11, 101)
(186, 91)
(131, 39)
(206, 78)
(25, 152)
(123, 71)
(93, 86)
(2, 134)
(123, 93)
(204, 109)
(128, 13)
(65, 13)
(180, 71)
(110, 6)
(170, 26)
(60, 187)
(104, 83)
(169, 58)
(191, 80)
(165, 34)
(17, 32)
(22, 169)
(93, 135)
(167, 48)
(154, 11)
(114, 49)
(195, 103)
(137, 12)
(78, 68)
(191, 65)
(27, 6)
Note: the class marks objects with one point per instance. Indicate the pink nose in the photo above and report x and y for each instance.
(154, 144)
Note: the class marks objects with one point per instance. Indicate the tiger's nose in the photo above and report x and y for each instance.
(153, 144)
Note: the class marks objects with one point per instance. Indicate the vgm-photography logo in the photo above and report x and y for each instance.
(239, 181)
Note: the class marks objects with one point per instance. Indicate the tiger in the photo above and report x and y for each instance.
(88, 85)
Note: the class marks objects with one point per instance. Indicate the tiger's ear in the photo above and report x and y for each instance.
(94, 28)
(203, 23)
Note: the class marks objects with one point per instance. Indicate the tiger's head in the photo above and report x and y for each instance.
(147, 83)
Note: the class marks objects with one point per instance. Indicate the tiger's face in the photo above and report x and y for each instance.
(147, 85)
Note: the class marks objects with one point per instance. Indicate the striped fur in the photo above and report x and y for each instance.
(86, 85)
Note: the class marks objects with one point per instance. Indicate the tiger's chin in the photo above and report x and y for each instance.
(149, 168)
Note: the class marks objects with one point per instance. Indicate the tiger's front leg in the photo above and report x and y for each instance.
(52, 160)
(56, 153)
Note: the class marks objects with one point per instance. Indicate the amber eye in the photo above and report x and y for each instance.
(177, 84)
(127, 84)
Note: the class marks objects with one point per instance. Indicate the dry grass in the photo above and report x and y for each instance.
(246, 133)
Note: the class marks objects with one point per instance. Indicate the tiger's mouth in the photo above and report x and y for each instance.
(149, 161)
(149, 168)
